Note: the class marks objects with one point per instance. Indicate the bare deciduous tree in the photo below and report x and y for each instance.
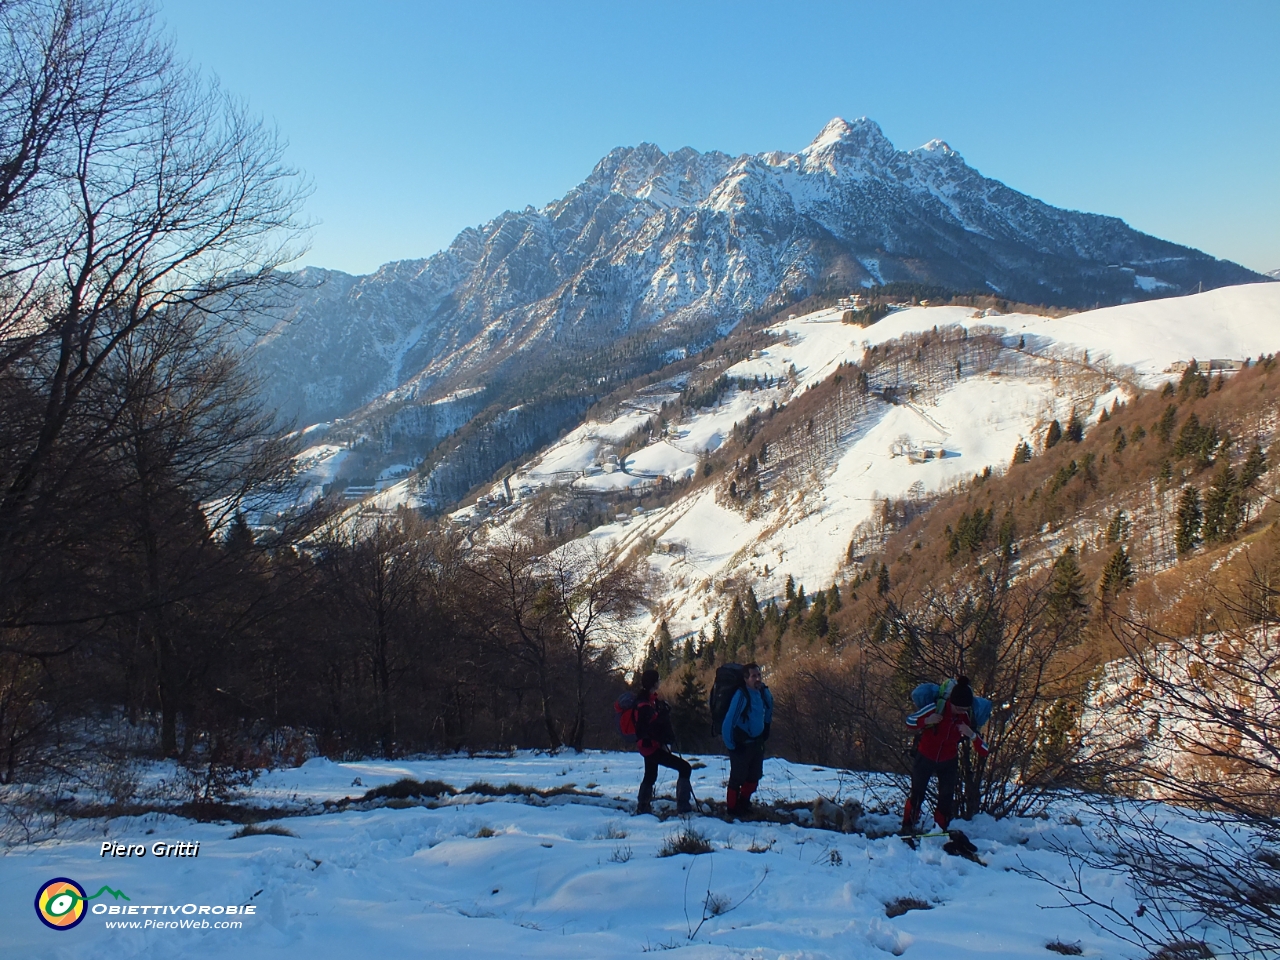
(594, 594)
(519, 615)
(129, 190)
(1208, 705)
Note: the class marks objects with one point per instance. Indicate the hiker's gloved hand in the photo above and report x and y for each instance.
(933, 719)
(966, 731)
(765, 735)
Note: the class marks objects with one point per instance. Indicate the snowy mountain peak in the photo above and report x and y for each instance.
(681, 178)
(839, 131)
(843, 143)
(936, 150)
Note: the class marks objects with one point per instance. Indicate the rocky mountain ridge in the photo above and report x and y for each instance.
(676, 248)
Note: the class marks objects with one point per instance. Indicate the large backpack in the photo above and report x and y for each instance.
(624, 716)
(655, 724)
(730, 678)
(932, 695)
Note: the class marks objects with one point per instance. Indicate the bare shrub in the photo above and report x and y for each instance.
(896, 908)
(620, 854)
(270, 830)
(685, 840)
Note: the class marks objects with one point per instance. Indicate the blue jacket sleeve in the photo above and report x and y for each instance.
(735, 711)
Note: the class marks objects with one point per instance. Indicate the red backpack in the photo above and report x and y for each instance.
(624, 717)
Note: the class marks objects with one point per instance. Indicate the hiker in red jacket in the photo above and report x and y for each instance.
(938, 749)
(654, 736)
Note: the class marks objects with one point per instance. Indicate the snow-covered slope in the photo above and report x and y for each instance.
(802, 526)
(567, 876)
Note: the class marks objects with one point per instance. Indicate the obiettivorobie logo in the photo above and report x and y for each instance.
(60, 903)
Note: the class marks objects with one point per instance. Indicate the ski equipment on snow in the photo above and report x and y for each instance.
(730, 678)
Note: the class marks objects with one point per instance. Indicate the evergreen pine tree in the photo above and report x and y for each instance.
(1220, 503)
(1075, 429)
(664, 650)
(882, 581)
(1117, 575)
(1021, 453)
(1007, 534)
(689, 714)
(239, 539)
(735, 629)
(789, 592)
(706, 654)
(1188, 521)
(1065, 601)
(1118, 528)
(816, 624)
(1052, 435)
(772, 619)
(1118, 441)
(1254, 466)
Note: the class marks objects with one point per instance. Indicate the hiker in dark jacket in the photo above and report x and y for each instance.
(938, 750)
(654, 737)
(744, 731)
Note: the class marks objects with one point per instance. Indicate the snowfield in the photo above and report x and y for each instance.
(1082, 363)
(702, 542)
(558, 877)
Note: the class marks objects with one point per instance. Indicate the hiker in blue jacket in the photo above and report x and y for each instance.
(744, 731)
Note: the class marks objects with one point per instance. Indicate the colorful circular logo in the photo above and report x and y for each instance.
(60, 904)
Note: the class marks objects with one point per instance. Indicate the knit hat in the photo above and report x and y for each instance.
(649, 680)
(961, 694)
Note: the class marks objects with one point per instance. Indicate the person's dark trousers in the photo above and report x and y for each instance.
(660, 758)
(746, 767)
(947, 772)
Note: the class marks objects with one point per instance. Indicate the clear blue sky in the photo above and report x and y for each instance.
(415, 120)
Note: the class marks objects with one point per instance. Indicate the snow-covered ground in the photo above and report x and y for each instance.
(565, 876)
(318, 465)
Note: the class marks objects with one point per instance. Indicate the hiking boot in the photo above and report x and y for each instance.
(644, 799)
(684, 796)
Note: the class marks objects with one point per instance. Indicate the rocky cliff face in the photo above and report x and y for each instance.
(683, 244)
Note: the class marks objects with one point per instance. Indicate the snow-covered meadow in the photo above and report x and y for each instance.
(566, 875)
